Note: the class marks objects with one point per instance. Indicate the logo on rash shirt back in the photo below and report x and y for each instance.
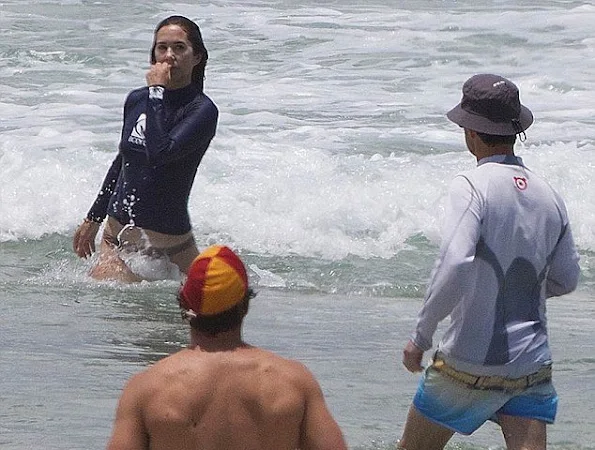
(137, 136)
(520, 183)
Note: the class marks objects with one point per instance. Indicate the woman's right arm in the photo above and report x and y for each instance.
(99, 209)
(83, 242)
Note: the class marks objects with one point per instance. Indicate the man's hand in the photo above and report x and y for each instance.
(412, 357)
(83, 242)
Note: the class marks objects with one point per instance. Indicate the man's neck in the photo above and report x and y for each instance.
(220, 342)
(484, 151)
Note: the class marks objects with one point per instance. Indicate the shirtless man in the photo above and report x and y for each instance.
(220, 392)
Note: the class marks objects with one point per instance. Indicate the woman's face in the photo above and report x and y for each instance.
(173, 47)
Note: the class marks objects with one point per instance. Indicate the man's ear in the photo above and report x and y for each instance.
(472, 134)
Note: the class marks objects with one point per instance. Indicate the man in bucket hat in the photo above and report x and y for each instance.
(507, 246)
(220, 392)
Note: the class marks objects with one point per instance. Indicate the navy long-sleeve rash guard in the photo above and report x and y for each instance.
(164, 137)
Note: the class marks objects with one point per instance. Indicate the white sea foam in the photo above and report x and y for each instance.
(332, 137)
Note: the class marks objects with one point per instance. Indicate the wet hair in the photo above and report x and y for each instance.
(225, 321)
(198, 47)
(494, 139)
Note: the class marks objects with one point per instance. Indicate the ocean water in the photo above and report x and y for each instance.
(328, 175)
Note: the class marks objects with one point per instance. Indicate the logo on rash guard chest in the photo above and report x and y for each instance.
(137, 136)
(520, 183)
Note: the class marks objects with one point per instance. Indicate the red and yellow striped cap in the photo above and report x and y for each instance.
(216, 282)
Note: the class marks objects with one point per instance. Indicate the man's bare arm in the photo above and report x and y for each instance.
(319, 430)
(129, 431)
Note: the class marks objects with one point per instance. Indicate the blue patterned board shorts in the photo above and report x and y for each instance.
(463, 409)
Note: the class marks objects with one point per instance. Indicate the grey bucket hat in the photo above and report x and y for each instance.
(491, 105)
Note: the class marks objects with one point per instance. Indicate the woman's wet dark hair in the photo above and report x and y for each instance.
(195, 38)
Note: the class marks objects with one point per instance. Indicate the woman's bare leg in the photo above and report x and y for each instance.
(110, 266)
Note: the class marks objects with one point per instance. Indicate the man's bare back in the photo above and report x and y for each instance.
(245, 398)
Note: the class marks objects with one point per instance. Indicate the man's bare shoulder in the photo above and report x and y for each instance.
(247, 366)
(289, 367)
(199, 358)
(151, 378)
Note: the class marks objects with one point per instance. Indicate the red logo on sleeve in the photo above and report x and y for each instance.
(520, 183)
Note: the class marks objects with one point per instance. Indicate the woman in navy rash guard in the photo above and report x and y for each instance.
(168, 126)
